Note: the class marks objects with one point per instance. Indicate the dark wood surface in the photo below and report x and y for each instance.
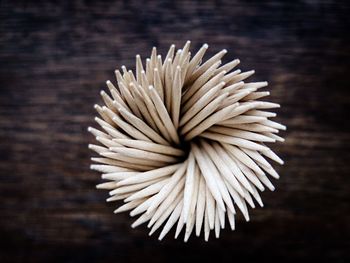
(56, 56)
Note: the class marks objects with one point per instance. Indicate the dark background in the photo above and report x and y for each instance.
(54, 60)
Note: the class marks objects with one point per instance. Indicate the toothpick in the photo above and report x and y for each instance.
(228, 66)
(128, 206)
(136, 153)
(150, 147)
(176, 97)
(150, 175)
(233, 140)
(241, 134)
(189, 186)
(149, 190)
(108, 168)
(200, 205)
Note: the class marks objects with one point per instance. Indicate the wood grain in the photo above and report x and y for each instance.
(56, 56)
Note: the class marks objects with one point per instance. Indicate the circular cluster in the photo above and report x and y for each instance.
(183, 142)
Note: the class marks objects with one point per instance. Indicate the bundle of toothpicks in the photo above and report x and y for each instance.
(182, 141)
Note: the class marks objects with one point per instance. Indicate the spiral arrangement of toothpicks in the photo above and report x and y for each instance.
(183, 142)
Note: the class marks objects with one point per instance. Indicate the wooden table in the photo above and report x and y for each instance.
(54, 60)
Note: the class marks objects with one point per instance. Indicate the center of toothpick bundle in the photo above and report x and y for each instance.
(183, 142)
